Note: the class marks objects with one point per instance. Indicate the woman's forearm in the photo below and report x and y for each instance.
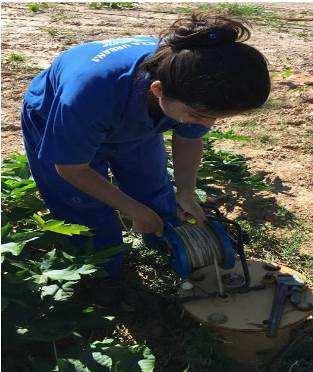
(187, 155)
(94, 184)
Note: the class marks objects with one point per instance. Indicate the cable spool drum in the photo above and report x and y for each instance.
(201, 246)
(195, 247)
(238, 319)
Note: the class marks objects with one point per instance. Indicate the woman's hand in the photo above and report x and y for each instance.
(86, 179)
(146, 221)
(189, 205)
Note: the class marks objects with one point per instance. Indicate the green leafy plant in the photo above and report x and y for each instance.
(20, 198)
(266, 139)
(214, 135)
(53, 32)
(249, 11)
(224, 167)
(36, 7)
(42, 272)
(15, 57)
(286, 72)
(111, 5)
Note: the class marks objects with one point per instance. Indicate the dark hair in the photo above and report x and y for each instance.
(203, 62)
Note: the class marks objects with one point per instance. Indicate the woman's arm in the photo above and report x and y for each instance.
(86, 179)
(187, 155)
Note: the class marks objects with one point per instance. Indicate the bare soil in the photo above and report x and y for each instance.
(282, 132)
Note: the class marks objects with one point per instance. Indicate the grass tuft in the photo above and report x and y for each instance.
(266, 139)
(36, 7)
(251, 12)
(286, 72)
(15, 57)
(111, 5)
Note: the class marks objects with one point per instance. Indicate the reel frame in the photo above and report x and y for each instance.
(228, 233)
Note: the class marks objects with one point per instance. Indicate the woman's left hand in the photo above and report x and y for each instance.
(189, 205)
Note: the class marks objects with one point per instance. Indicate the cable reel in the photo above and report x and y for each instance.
(216, 243)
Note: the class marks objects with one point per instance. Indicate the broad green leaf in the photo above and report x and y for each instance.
(61, 227)
(40, 221)
(17, 185)
(59, 292)
(20, 190)
(39, 279)
(104, 342)
(24, 236)
(49, 290)
(48, 260)
(110, 318)
(89, 309)
(86, 269)
(14, 248)
(201, 194)
(21, 265)
(5, 231)
(16, 165)
(102, 359)
(125, 358)
(65, 291)
(68, 274)
(147, 364)
(71, 365)
(68, 256)
(21, 331)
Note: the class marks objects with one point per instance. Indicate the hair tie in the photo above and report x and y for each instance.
(212, 36)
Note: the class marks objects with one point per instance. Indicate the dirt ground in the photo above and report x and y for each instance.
(282, 131)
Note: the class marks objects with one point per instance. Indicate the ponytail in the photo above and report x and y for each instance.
(203, 62)
(203, 31)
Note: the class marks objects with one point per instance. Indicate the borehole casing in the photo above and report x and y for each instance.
(244, 332)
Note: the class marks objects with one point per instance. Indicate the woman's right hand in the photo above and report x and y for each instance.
(146, 221)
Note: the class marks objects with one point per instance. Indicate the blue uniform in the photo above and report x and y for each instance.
(90, 106)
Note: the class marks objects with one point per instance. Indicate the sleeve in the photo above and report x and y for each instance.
(78, 122)
(190, 130)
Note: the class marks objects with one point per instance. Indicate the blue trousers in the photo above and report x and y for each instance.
(139, 168)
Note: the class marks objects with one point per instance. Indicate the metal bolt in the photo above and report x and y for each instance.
(217, 318)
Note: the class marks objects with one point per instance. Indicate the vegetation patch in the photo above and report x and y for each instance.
(46, 276)
(112, 5)
(37, 7)
(15, 58)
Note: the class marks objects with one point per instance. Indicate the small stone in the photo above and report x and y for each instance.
(271, 267)
(217, 318)
(186, 286)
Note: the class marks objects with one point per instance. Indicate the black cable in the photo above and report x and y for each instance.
(238, 245)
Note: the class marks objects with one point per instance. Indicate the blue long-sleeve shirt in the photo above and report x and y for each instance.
(91, 95)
